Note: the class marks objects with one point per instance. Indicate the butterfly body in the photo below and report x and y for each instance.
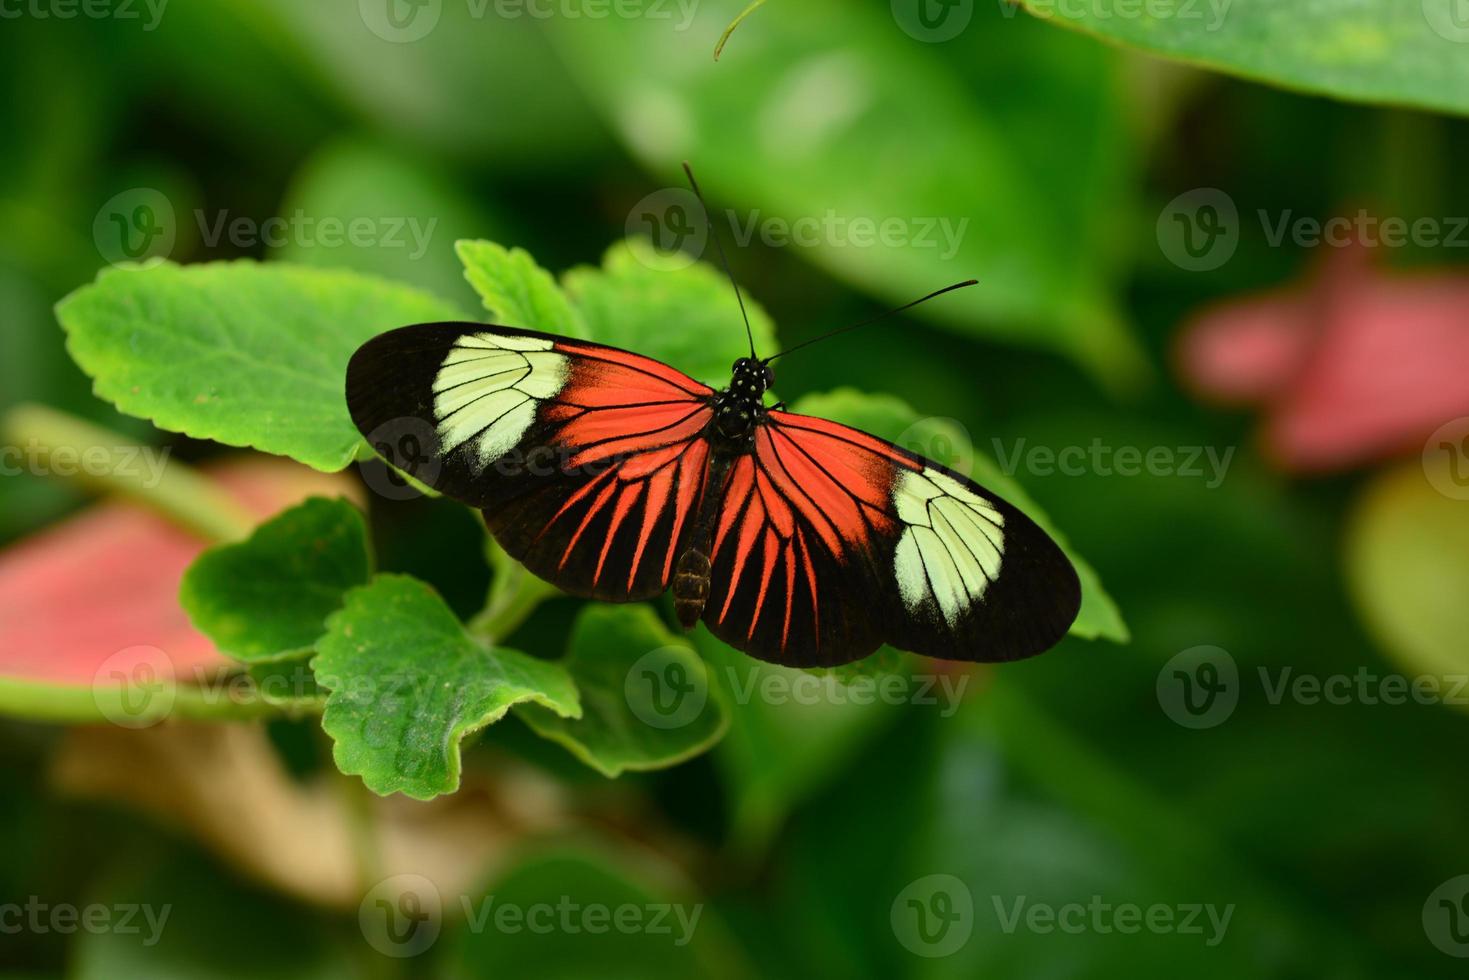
(793, 538)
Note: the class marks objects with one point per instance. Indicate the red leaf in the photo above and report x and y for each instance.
(1355, 366)
(101, 588)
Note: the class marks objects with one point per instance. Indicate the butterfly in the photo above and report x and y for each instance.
(793, 538)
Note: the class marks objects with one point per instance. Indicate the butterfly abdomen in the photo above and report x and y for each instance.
(691, 586)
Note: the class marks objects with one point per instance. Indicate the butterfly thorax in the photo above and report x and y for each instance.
(739, 408)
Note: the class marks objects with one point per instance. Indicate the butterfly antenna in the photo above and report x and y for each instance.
(863, 323)
(714, 234)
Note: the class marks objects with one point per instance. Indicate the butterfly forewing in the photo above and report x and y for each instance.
(586, 460)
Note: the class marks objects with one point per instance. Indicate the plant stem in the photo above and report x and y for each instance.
(719, 45)
(514, 595)
(57, 444)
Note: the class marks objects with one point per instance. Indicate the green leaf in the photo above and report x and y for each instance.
(516, 291)
(647, 701)
(241, 353)
(407, 684)
(268, 597)
(891, 418)
(1409, 52)
(686, 317)
(835, 178)
(1407, 560)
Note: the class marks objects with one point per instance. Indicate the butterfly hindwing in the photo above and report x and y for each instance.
(586, 460)
(832, 542)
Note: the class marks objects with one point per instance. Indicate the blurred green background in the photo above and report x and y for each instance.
(1333, 832)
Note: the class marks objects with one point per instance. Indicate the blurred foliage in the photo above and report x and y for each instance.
(1326, 826)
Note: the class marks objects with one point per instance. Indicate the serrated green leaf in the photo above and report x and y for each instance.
(647, 700)
(516, 291)
(890, 418)
(684, 317)
(268, 597)
(407, 684)
(1409, 53)
(238, 352)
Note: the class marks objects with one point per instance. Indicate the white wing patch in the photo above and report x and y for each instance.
(951, 549)
(487, 389)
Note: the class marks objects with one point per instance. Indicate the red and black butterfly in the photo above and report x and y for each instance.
(795, 539)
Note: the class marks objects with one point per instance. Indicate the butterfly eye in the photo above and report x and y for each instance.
(735, 367)
(769, 375)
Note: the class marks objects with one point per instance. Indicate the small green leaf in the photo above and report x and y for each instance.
(1408, 52)
(647, 701)
(517, 291)
(686, 317)
(408, 684)
(238, 352)
(268, 597)
(891, 418)
(1407, 559)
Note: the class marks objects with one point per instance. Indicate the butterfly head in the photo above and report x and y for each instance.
(751, 377)
(738, 407)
